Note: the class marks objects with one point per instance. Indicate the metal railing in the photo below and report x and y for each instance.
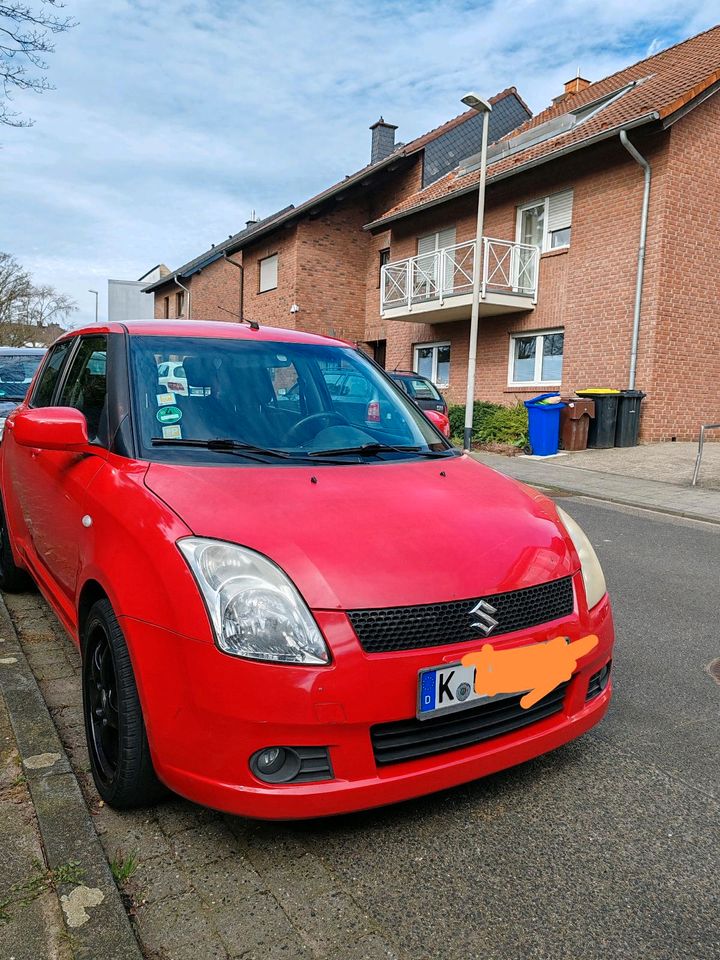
(701, 444)
(507, 267)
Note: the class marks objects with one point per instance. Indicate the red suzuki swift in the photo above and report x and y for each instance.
(273, 584)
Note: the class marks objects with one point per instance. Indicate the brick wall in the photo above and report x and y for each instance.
(685, 378)
(588, 289)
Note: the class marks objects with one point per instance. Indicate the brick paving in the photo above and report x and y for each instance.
(206, 885)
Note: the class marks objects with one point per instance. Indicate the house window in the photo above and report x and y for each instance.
(269, 273)
(546, 223)
(166, 307)
(536, 359)
(432, 360)
(179, 303)
(384, 258)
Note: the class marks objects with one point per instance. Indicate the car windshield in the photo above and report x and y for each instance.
(16, 372)
(270, 401)
(421, 389)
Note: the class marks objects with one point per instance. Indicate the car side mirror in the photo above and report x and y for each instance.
(51, 428)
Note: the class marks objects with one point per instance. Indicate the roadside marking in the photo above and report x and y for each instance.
(8, 660)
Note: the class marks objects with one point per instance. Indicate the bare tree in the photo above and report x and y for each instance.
(30, 315)
(26, 34)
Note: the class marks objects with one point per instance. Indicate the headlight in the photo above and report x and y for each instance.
(595, 588)
(255, 610)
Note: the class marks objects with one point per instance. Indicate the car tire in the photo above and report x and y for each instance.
(13, 579)
(120, 760)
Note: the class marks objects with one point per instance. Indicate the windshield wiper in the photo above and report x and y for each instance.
(233, 447)
(220, 445)
(371, 449)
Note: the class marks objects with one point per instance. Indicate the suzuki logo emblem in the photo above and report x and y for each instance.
(485, 619)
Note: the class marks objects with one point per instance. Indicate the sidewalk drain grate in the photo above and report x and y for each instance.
(713, 668)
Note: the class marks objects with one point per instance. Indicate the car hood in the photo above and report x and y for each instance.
(376, 535)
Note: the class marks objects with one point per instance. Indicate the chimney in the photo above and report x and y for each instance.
(383, 140)
(252, 221)
(572, 87)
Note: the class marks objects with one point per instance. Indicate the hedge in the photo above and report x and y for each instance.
(492, 423)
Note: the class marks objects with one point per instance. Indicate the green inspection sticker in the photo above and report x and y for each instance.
(169, 415)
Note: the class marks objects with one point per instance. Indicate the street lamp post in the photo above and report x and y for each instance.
(482, 106)
(96, 303)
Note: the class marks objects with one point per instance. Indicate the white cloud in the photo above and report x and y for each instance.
(171, 120)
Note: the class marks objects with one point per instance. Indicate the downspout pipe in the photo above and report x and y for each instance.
(242, 283)
(647, 173)
(187, 296)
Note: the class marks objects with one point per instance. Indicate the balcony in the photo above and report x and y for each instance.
(437, 287)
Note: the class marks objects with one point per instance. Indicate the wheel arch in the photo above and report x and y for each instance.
(91, 592)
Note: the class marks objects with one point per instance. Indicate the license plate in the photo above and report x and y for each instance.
(447, 689)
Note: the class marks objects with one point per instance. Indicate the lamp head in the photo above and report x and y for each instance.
(476, 102)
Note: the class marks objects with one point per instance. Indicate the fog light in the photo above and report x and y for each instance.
(269, 761)
(291, 764)
(275, 764)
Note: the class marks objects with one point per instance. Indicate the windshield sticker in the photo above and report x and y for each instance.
(172, 433)
(169, 415)
(164, 399)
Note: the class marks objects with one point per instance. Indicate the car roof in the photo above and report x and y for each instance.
(211, 329)
(24, 351)
(407, 374)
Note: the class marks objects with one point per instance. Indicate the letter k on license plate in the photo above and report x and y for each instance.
(446, 689)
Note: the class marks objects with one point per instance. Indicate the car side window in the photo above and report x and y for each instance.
(50, 374)
(85, 386)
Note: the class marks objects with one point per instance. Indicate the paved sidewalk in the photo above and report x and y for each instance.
(559, 473)
(31, 924)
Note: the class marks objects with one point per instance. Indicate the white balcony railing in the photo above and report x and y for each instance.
(507, 268)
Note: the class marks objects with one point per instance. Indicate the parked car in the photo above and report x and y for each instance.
(426, 395)
(171, 376)
(423, 391)
(255, 588)
(17, 368)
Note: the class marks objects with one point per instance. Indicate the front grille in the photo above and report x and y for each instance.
(410, 739)
(598, 681)
(436, 624)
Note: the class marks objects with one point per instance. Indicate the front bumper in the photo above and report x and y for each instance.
(207, 713)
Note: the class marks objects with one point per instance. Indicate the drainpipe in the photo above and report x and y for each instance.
(187, 296)
(638, 158)
(242, 282)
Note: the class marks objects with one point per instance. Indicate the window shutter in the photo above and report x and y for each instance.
(560, 213)
(434, 241)
(426, 244)
(446, 238)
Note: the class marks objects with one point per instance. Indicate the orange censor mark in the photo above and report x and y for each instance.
(534, 670)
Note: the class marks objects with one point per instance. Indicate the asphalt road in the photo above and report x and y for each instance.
(607, 848)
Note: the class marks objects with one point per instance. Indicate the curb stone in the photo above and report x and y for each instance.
(93, 911)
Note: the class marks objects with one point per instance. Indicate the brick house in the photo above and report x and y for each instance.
(565, 184)
(314, 266)
(385, 256)
(308, 266)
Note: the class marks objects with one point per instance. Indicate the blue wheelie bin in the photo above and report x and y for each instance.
(544, 425)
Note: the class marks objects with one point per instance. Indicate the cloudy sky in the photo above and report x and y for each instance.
(172, 120)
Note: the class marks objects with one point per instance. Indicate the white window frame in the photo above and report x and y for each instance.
(433, 345)
(536, 381)
(272, 256)
(545, 201)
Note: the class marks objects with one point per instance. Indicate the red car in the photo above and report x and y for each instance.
(251, 572)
